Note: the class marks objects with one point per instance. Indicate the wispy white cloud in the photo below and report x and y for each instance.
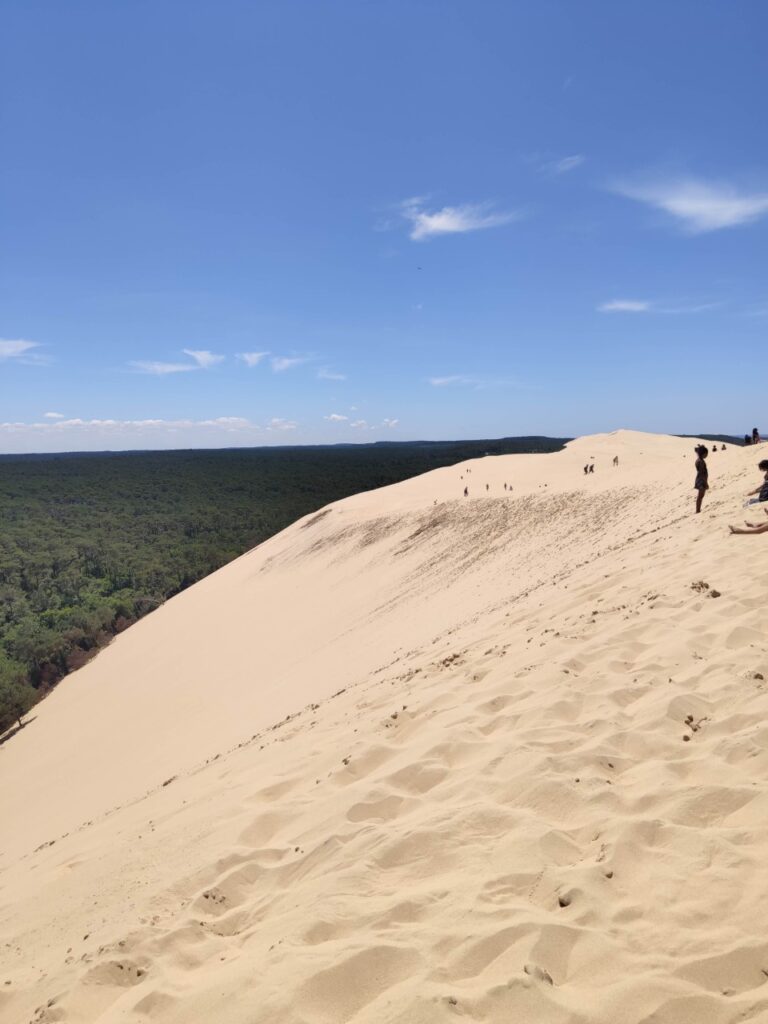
(451, 220)
(701, 307)
(456, 378)
(82, 434)
(624, 306)
(565, 164)
(390, 423)
(699, 206)
(336, 417)
(282, 363)
(159, 369)
(252, 359)
(16, 349)
(480, 382)
(277, 423)
(325, 374)
(57, 424)
(54, 416)
(359, 424)
(204, 359)
(643, 306)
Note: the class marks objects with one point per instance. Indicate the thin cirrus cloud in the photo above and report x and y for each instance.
(204, 359)
(325, 374)
(643, 306)
(23, 351)
(452, 220)
(699, 206)
(453, 379)
(282, 363)
(82, 434)
(57, 423)
(252, 359)
(565, 164)
(624, 306)
(479, 383)
(359, 424)
(159, 369)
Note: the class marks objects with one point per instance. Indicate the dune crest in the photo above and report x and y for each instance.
(420, 757)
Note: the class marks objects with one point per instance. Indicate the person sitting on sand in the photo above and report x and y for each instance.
(702, 474)
(751, 527)
(762, 490)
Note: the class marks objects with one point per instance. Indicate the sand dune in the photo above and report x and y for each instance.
(418, 758)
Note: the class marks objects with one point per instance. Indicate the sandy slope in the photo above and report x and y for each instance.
(432, 759)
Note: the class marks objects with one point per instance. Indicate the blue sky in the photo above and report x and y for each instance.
(237, 223)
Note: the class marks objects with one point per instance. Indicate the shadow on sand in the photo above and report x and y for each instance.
(12, 732)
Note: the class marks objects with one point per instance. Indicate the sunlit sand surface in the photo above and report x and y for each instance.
(419, 758)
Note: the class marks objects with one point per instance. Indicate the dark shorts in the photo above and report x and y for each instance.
(701, 484)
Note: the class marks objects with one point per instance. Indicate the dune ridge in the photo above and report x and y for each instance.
(418, 758)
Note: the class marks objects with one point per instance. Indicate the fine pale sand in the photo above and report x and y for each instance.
(419, 758)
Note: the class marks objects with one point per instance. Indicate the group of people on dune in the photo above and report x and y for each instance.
(755, 497)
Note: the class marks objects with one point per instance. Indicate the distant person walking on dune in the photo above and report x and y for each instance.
(702, 475)
(586, 470)
(591, 467)
(466, 492)
(615, 460)
(751, 527)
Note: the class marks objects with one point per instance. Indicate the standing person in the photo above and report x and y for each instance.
(755, 435)
(586, 470)
(591, 467)
(615, 460)
(702, 475)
